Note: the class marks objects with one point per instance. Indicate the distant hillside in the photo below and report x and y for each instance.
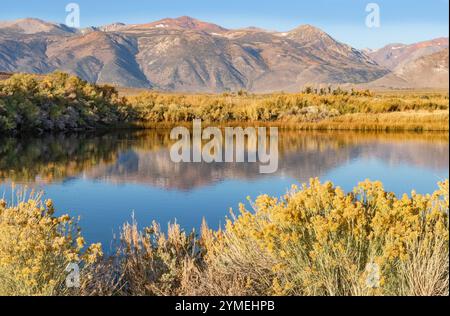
(181, 23)
(4, 75)
(395, 56)
(429, 71)
(185, 54)
(34, 26)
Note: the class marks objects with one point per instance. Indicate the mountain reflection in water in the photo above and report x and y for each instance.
(104, 178)
(143, 157)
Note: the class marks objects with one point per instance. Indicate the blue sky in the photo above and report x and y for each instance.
(405, 21)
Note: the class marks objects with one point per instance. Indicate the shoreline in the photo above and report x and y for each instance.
(372, 123)
(339, 124)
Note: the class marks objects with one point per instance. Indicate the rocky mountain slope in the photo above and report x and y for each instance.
(34, 26)
(186, 54)
(430, 71)
(395, 56)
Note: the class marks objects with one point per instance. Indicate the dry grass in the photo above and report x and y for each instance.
(153, 263)
(335, 111)
(397, 121)
(436, 121)
(426, 269)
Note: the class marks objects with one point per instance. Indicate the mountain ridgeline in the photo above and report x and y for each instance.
(186, 54)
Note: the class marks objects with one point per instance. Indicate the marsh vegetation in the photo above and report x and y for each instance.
(59, 102)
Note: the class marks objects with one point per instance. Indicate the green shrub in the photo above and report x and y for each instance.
(58, 102)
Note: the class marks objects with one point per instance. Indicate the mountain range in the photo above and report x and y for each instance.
(185, 54)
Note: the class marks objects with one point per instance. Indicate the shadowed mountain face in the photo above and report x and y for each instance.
(185, 54)
(99, 57)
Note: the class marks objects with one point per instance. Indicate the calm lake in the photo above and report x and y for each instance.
(106, 178)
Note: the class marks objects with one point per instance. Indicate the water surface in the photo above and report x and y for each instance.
(106, 178)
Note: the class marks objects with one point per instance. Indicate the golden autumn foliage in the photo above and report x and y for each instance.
(320, 241)
(36, 247)
(316, 240)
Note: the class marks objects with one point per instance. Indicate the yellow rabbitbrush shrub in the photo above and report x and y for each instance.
(321, 241)
(36, 247)
(316, 240)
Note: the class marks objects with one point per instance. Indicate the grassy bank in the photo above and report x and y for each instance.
(419, 121)
(337, 110)
(316, 240)
(59, 102)
(408, 121)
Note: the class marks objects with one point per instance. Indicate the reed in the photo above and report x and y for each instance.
(303, 111)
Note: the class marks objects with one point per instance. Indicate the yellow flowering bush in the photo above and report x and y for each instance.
(320, 241)
(315, 240)
(36, 247)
